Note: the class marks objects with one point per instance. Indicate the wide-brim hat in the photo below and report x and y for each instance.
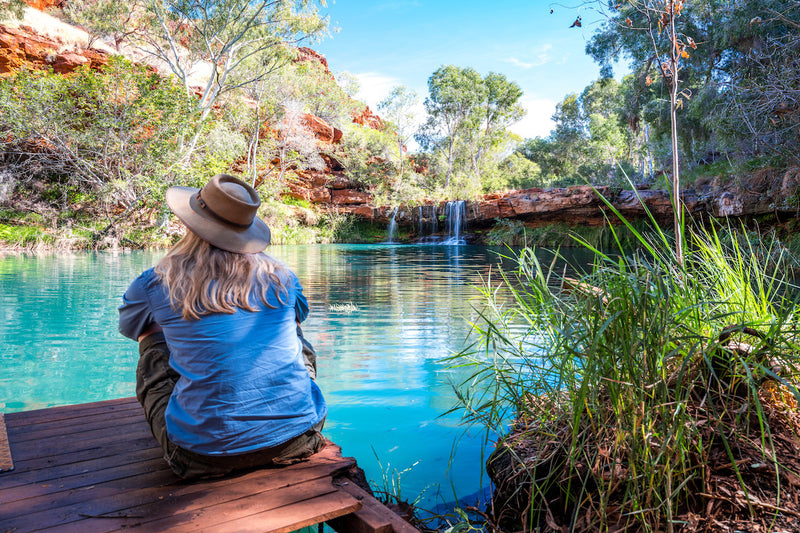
(222, 213)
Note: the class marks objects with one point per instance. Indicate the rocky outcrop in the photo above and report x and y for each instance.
(368, 119)
(765, 192)
(307, 54)
(23, 48)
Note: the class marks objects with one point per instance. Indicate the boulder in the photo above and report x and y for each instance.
(350, 196)
(22, 47)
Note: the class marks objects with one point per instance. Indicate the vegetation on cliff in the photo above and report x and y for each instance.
(85, 156)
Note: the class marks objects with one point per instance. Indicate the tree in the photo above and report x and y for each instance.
(399, 109)
(114, 18)
(468, 119)
(295, 145)
(224, 35)
(110, 133)
(501, 110)
(657, 40)
(210, 43)
(453, 103)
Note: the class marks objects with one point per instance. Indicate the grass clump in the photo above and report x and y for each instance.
(643, 395)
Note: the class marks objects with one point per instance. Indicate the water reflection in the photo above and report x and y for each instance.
(381, 319)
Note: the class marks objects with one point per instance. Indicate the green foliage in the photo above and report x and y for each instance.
(310, 83)
(11, 9)
(365, 154)
(467, 126)
(507, 232)
(115, 132)
(100, 18)
(738, 70)
(619, 383)
(220, 147)
(228, 36)
(398, 112)
(22, 236)
(591, 141)
(514, 172)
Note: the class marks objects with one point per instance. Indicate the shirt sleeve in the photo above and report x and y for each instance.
(134, 313)
(301, 303)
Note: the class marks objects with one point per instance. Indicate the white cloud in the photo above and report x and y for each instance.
(517, 62)
(533, 57)
(537, 123)
(374, 87)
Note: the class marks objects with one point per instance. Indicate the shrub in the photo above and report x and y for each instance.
(116, 132)
(638, 390)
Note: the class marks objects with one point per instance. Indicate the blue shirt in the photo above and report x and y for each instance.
(243, 384)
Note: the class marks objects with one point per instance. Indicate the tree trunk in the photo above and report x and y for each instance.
(677, 207)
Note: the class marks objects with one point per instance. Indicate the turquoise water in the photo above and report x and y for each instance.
(381, 319)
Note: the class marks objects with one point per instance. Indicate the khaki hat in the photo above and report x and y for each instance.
(222, 213)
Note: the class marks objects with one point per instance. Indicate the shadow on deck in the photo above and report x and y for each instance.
(95, 468)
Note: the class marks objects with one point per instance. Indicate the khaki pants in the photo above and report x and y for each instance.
(155, 380)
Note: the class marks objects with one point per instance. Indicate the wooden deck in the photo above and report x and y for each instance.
(96, 468)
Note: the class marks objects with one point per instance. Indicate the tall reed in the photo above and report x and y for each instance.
(624, 387)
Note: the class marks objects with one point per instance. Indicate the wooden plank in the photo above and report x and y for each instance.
(96, 438)
(42, 475)
(232, 504)
(95, 468)
(193, 498)
(108, 449)
(293, 517)
(25, 498)
(373, 517)
(157, 493)
(73, 426)
(6, 461)
(65, 412)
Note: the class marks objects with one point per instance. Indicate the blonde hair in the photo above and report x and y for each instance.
(202, 279)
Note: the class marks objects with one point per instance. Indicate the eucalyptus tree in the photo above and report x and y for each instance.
(400, 110)
(501, 110)
(453, 105)
(468, 117)
(210, 46)
(224, 35)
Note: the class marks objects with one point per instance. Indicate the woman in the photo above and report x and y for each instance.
(224, 374)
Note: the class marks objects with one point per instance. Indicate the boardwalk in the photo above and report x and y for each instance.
(96, 468)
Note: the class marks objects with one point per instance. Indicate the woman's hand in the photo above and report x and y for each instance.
(152, 328)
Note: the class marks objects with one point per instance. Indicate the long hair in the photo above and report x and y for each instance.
(202, 279)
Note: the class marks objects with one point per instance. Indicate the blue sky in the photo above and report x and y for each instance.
(385, 43)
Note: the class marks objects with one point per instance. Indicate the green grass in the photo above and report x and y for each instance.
(23, 236)
(623, 398)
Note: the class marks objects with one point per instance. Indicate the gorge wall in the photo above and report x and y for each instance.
(37, 45)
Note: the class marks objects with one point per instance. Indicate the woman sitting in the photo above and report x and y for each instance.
(224, 375)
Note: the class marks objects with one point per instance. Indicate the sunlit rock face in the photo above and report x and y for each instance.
(20, 47)
(42, 41)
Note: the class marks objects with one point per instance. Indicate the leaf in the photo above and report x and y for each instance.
(685, 54)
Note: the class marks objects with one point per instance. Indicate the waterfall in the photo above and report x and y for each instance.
(392, 228)
(456, 221)
(429, 227)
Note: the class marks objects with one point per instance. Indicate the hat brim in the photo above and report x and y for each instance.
(253, 239)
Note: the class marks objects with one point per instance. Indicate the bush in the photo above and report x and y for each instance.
(641, 393)
(116, 132)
